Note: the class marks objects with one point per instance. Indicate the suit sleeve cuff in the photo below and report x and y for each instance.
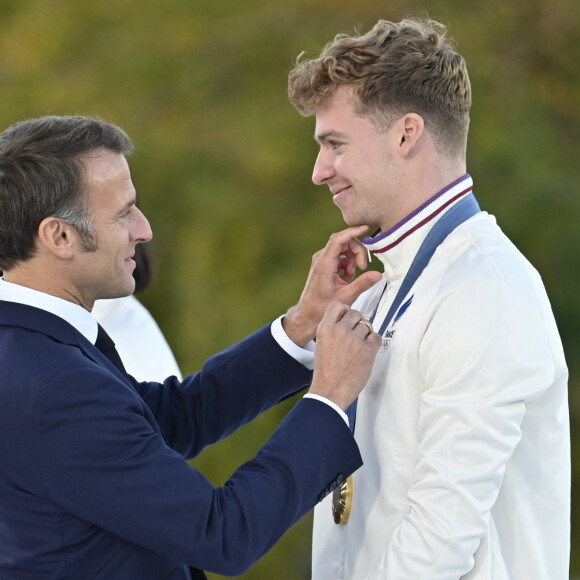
(330, 404)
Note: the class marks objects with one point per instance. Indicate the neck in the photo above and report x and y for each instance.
(420, 218)
(420, 181)
(32, 275)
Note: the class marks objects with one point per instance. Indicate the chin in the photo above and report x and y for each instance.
(125, 290)
(353, 222)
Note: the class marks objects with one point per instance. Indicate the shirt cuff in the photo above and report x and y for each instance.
(330, 404)
(302, 355)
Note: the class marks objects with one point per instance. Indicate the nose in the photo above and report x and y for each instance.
(142, 232)
(323, 168)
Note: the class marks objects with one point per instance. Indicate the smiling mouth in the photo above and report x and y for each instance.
(336, 193)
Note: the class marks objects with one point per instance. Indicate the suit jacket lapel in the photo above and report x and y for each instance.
(38, 320)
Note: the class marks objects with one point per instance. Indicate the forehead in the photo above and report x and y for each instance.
(103, 166)
(340, 115)
(342, 99)
(108, 182)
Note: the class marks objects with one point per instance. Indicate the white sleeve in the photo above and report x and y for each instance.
(302, 355)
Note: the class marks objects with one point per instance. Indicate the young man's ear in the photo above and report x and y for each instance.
(411, 129)
(57, 237)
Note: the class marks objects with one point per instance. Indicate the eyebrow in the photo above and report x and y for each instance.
(328, 135)
(128, 205)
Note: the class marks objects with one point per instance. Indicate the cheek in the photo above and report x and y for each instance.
(348, 165)
(358, 161)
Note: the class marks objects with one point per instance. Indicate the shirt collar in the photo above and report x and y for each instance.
(402, 241)
(74, 314)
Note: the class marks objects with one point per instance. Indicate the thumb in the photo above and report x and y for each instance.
(365, 281)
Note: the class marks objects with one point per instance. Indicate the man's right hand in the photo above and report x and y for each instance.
(331, 278)
(345, 354)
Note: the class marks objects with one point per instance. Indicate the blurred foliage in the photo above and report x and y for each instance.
(223, 161)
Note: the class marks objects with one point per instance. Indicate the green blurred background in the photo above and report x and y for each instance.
(223, 161)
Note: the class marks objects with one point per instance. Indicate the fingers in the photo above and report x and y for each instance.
(369, 333)
(345, 246)
(339, 312)
(345, 351)
(316, 256)
(331, 278)
(344, 253)
(352, 319)
(348, 294)
(366, 324)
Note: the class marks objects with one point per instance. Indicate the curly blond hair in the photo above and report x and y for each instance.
(395, 68)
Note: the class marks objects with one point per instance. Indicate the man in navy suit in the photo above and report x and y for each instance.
(94, 481)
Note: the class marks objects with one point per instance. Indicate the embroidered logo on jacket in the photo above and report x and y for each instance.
(388, 336)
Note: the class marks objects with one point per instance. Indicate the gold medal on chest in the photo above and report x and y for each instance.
(342, 501)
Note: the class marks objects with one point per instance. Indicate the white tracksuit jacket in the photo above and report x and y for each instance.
(463, 425)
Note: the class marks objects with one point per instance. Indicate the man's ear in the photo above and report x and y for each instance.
(57, 237)
(411, 129)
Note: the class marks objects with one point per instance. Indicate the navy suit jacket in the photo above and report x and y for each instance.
(94, 482)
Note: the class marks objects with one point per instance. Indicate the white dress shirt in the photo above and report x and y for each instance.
(74, 314)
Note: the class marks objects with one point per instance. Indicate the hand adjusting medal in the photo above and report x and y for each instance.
(342, 501)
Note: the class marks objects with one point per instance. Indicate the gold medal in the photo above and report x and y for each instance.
(342, 501)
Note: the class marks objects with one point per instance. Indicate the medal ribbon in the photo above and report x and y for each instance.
(460, 212)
